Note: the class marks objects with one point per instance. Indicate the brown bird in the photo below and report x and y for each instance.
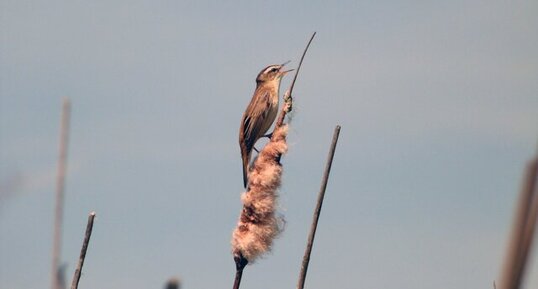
(261, 112)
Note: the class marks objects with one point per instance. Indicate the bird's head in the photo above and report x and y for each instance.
(272, 73)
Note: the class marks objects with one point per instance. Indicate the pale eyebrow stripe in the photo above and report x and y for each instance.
(269, 68)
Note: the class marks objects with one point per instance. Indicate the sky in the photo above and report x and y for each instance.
(438, 103)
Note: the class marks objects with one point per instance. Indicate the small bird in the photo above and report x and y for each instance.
(261, 111)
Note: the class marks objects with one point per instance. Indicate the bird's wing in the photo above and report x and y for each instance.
(255, 116)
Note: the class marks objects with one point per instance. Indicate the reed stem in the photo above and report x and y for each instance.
(240, 263)
(522, 229)
(60, 185)
(317, 211)
(87, 235)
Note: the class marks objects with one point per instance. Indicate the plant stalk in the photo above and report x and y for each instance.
(87, 235)
(317, 211)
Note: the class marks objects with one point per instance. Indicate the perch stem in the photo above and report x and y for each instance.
(240, 263)
(317, 211)
(301, 62)
(289, 92)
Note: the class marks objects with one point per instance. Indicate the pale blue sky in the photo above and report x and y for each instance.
(438, 103)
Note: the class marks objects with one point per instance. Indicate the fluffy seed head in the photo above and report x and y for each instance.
(259, 223)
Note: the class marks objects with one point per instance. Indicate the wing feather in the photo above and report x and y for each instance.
(253, 122)
(254, 118)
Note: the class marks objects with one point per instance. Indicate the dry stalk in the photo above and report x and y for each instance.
(60, 185)
(522, 230)
(87, 235)
(317, 211)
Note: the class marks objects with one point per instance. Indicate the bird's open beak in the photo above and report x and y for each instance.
(282, 73)
(285, 71)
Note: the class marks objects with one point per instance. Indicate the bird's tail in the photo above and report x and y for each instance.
(245, 155)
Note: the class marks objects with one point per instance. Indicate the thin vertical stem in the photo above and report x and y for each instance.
(288, 94)
(240, 263)
(528, 227)
(317, 211)
(60, 184)
(87, 235)
(301, 62)
(518, 247)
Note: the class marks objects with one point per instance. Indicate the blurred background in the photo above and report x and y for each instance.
(438, 103)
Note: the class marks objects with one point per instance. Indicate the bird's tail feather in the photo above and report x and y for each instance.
(246, 159)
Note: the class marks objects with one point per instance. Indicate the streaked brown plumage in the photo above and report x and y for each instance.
(260, 113)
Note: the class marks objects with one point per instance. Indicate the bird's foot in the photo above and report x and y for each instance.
(288, 101)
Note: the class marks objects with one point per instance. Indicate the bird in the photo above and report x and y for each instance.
(260, 112)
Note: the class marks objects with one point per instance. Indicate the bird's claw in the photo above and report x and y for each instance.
(288, 101)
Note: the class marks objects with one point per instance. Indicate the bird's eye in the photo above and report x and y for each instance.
(274, 69)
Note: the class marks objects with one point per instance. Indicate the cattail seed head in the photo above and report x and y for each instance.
(259, 223)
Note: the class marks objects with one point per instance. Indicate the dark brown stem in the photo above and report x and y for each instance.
(317, 211)
(522, 229)
(288, 93)
(240, 263)
(529, 227)
(88, 234)
(301, 62)
(60, 184)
